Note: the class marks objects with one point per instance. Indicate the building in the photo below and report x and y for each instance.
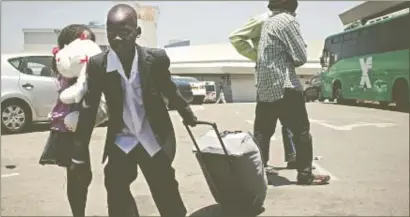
(178, 43)
(44, 39)
(211, 62)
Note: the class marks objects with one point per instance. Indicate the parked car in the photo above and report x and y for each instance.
(198, 88)
(185, 90)
(312, 89)
(210, 92)
(28, 90)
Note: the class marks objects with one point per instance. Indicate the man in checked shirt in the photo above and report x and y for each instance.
(240, 40)
(279, 93)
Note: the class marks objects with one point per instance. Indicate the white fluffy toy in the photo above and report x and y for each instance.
(71, 62)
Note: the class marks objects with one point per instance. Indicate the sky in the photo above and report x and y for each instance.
(202, 22)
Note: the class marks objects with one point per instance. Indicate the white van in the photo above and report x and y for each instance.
(210, 92)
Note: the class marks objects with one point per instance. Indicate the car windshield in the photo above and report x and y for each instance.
(210, 87)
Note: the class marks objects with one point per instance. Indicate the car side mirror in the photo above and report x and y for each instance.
(307, 82)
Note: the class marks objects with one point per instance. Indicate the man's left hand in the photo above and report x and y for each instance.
(191, 120)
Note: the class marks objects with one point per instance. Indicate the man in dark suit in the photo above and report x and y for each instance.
(133, 80)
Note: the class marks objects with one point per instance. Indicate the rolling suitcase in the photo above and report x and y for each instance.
(232, 165)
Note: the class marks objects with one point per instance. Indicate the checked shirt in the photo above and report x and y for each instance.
(281, 49)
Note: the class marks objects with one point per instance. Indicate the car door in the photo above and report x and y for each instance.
(38, 83)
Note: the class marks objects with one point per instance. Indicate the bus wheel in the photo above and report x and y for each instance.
(320, 97)
(384, 104)
(337, 93)
(401, 95)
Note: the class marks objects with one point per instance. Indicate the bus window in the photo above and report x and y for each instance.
(336, 40)
(349, 46)
(354, 35)
(368, 42)
(346, 37)
(394, 36)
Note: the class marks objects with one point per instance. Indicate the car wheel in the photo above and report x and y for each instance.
(384, 105)
(15, 117)
(338, 94)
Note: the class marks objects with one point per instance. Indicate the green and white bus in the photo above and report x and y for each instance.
(369, 62)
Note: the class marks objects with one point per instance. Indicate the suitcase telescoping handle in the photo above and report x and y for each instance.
(213, 125)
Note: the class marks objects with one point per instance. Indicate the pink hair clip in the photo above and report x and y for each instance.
(83, 36)
(55, 50)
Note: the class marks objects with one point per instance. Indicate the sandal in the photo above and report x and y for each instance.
(314, 180)
(270, 170)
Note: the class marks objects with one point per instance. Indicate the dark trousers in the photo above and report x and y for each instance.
(288, 144)
(121, 171)
(77, 190)
(291, 111)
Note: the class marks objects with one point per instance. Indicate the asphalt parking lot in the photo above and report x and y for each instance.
(365, 150)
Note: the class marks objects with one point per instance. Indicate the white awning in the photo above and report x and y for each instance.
(232, 68)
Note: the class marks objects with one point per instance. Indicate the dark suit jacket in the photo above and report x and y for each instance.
(155, 78)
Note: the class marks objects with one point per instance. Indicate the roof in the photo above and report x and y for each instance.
(24, 54)
(54, 30)
(382, 20)
(225, 52)
(370, 9)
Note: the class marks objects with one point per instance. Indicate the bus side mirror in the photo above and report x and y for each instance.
(322, 61)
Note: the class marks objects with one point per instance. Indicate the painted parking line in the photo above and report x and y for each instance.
(9, 175)
(351, 126)
(345, 127)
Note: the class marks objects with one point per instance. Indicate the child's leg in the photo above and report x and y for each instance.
(77, 190)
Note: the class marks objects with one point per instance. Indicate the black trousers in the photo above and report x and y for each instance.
(291, 111)
(77, 190)
(288, 144)
(121, 171)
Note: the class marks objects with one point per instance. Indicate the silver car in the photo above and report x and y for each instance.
(28, 90)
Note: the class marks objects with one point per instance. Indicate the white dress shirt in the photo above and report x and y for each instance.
(137, 129)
